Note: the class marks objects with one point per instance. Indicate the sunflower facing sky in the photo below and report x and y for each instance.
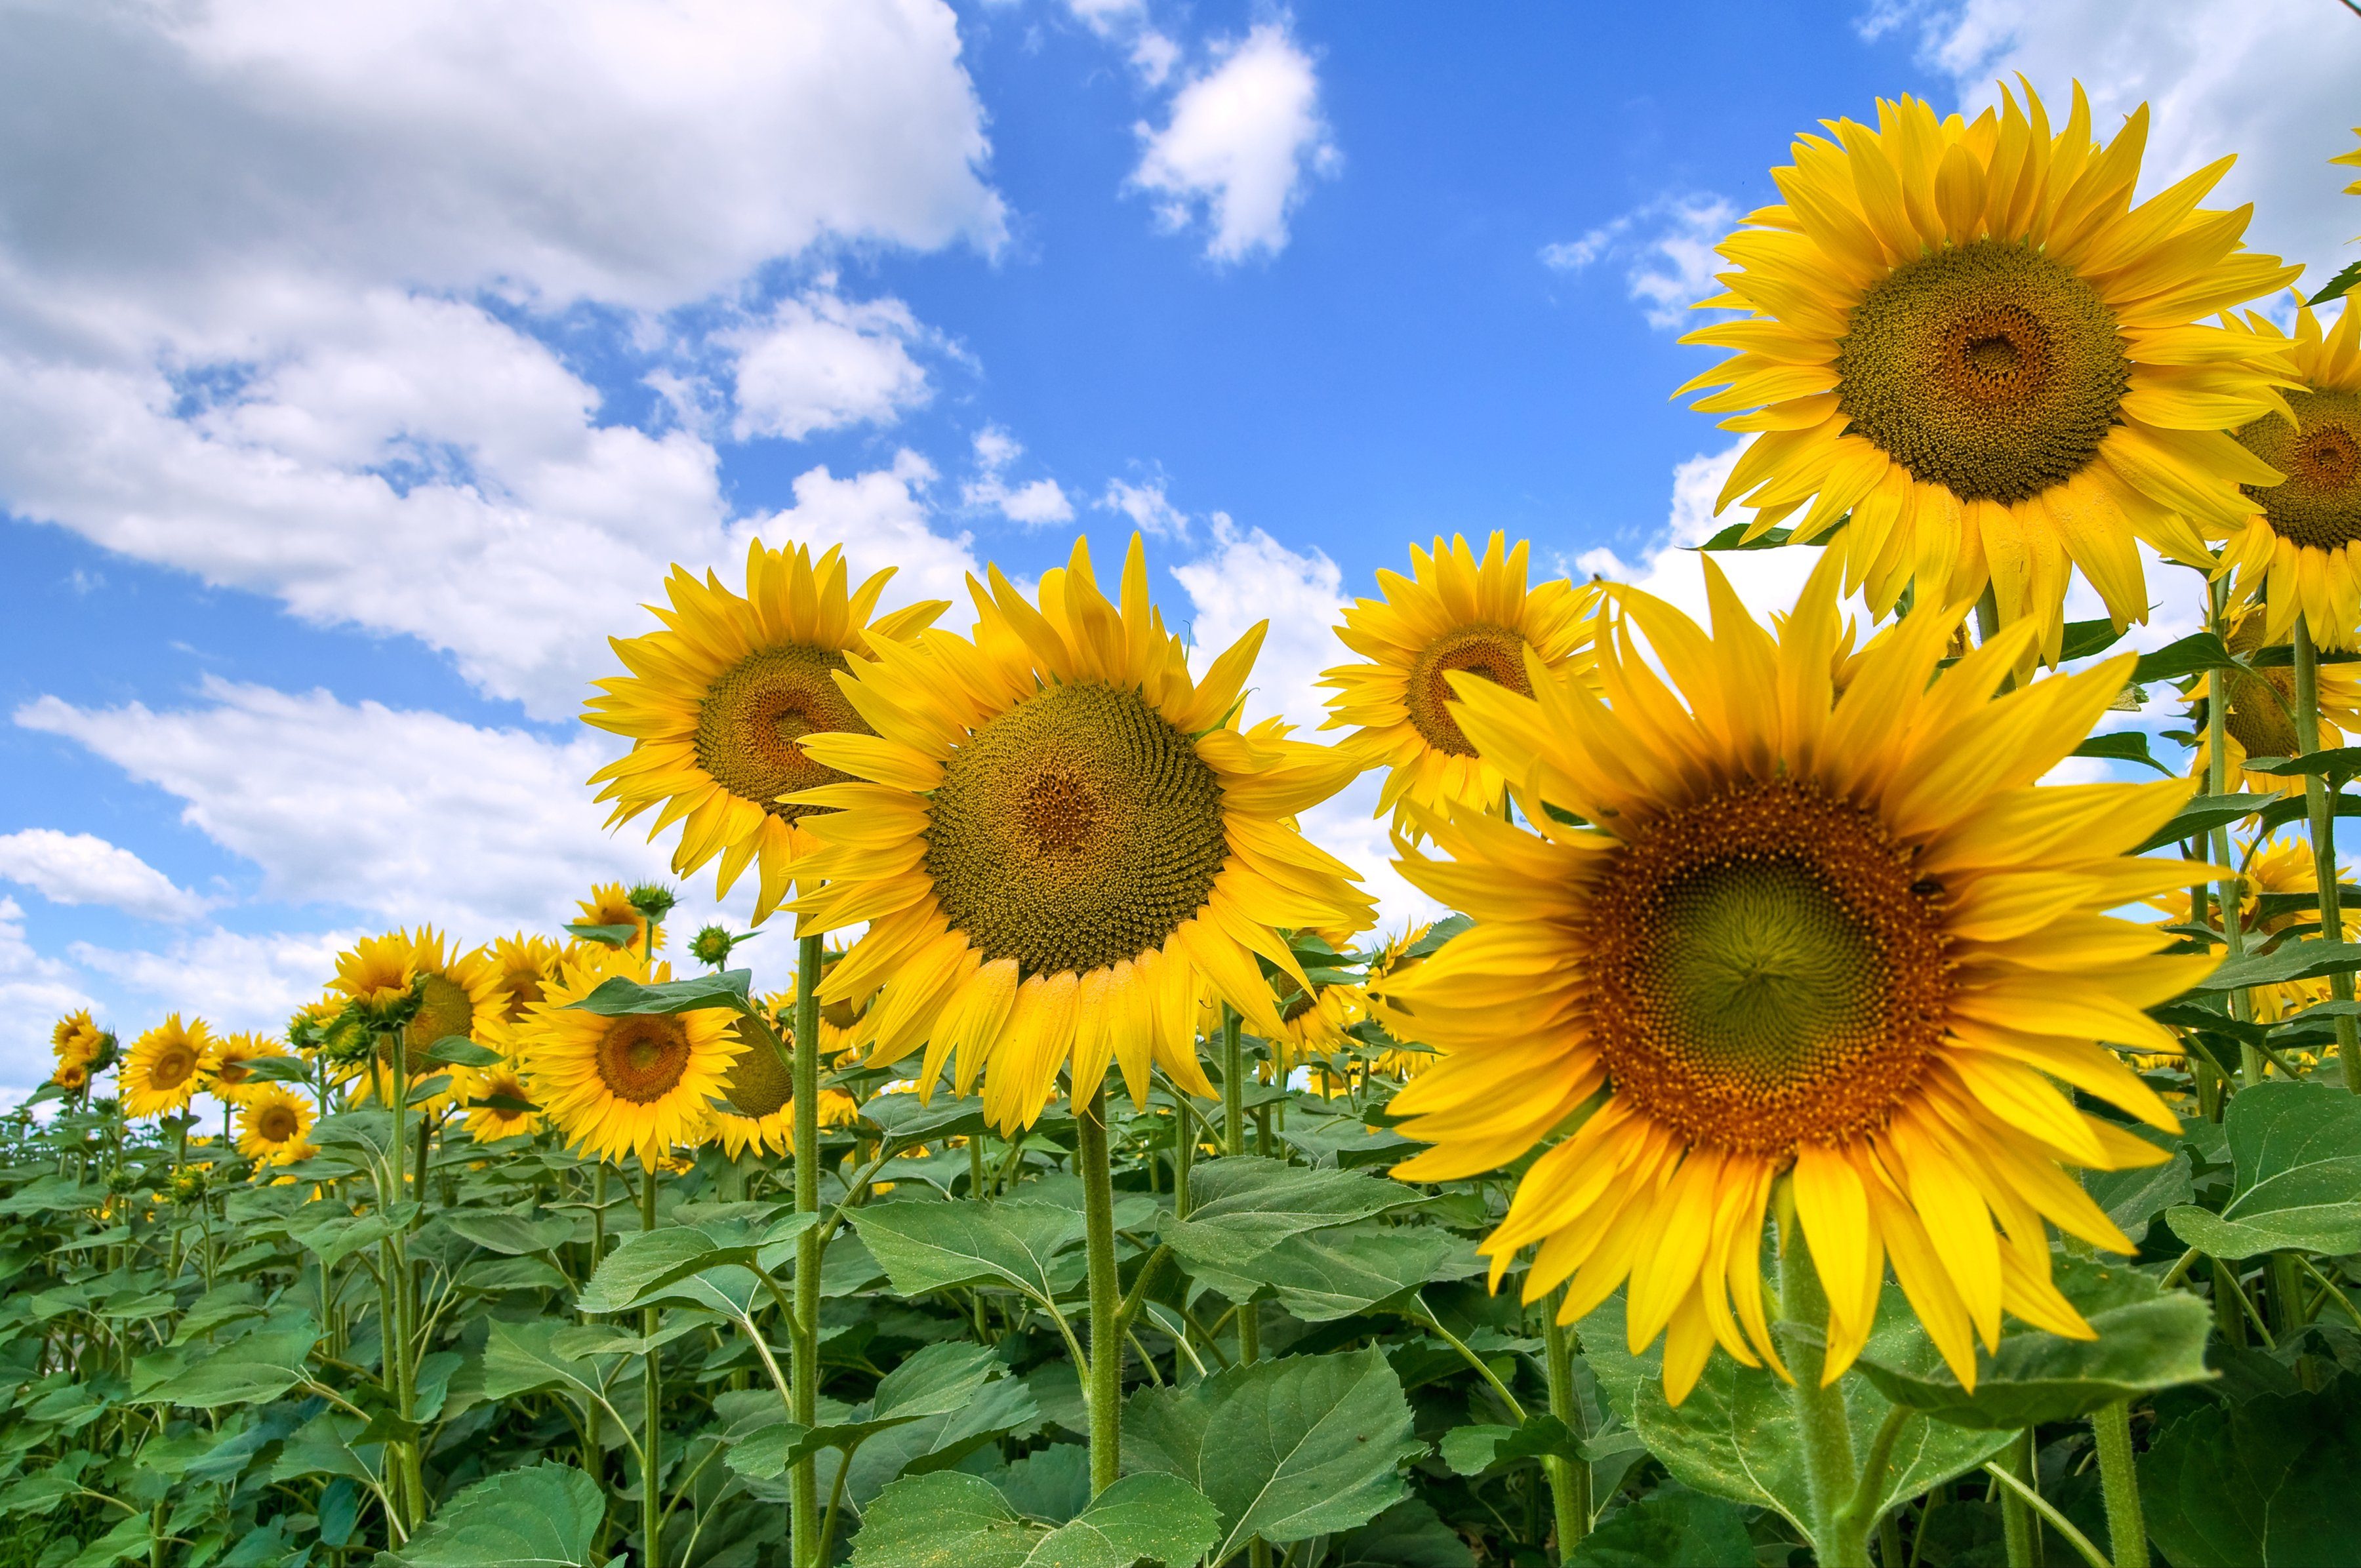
(1843, 940)
(610, 904)
(1453, 612)
(166, 1066)
(1061, 838)
(717, 703)
(521, 966)
(1966, 336)
(503, 1080)
(2299, 548)
(632, 1085)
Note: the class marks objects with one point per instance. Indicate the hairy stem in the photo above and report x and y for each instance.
(804, 1521)
(1830, 1472)
(2111, 1426)
(2322, 821)
(1569, 1479)
(1104, 1388)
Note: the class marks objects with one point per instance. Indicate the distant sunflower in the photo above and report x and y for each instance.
(1061, 838)
(272, 1126)
(458, 995)
(2300, 550)
(376, 972)
(1848, 941)
(73, 1077)
(2260, 718)
(1965, 336)
(233, 1082)
(521, 966)
(2280, 864)
(1313, 1024)
(1453, 612)
(717, 703)
(504, 1080)
(76, 1041)
(166, 1066)
(610, 904)
(1390, 963)
(636, 1084)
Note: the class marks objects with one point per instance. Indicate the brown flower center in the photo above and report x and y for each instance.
(1480, 647)
(2318, 505)
(755, 713)
(278, 1123)
(172, 1067)
(641, 1059)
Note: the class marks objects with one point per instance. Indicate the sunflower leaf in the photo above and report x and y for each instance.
(950, 1520)
(2123, 746)
(2288, 961)
(276, 1070)
(2267, 1481)
(457, 1051)
(1671, 1526)
(2296, 1152)
(2194, 820)
(546, 1517)
(649, 1263)
(2198, 651)
(2337, 762)
(2336, 288)
(936, 1247)
(618, 996)
(607, 936)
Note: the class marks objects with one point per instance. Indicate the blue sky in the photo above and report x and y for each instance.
(361, 369)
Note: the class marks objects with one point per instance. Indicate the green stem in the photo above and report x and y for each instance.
(651, 1425)
(2323, 822)
(1569, 1479)
(2110, 1427)
(1234, 1087)
(2014, 1487)
(1889, 1541)
(1841, 1540)
(1508, 1401)
(1104, 1388)
(2217, 782)
(804, 1520)
(2019, 1527)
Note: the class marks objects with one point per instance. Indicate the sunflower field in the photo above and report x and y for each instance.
(1811, 1137)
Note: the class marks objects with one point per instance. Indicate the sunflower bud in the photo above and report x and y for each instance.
(712, 946)
(652, 900)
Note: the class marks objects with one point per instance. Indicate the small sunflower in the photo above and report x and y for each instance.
(1060, 837)
(233, 1082)
(78, 1042)
(2259, 720)
(1313, 1024)
(1846, 942)
(717, 703)
(610, 904)
(1965, 336)
(377, 971)
(521, 966)
(272, 1126)
(1453, 612)
(2300, 551)
(637, 1085)
(459, 993)
(2280, 864)
(73, 1077)
(1392, 961)
(166, 1066)
(503, 1080)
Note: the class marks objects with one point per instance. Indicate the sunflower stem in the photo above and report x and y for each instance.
(1104, 1389)
(803, 1521)
(2110, 1427)
(2020, 1530)
(1234, 1143)
(2322, 819)
(1569, 1479)
(1831, 1474)
(2217, 782)
(651, 1384)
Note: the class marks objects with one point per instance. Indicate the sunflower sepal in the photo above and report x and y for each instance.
(621, 996)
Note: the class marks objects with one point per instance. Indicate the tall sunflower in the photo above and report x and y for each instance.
(2300, 551)
(502, 1080)
(1060, 837)
(521, 966)
(166, 1066)
(2259, 720)
(718, 702)
(272, 1126)
(76, 1041)
(457, 993)
(1847, 941)
(233, 1082)
(636, 1084)
(610, 904)
(1968, 339)
(1453, 612)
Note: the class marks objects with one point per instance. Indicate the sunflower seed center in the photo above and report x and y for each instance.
(1480, 647)
(2319, 504)
(641, 1057)
(756, 713)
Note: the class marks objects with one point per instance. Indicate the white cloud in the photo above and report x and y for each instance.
(1153, 54)
(82, 868)
(821, 362)
(879, 518)
(34, 992)
(1348, 828)
(1671, 566)
(2269, 79)
(1241, 141)
(1249, 576)
(1035, 503)
(1150, 511)
(230, 980)
(1666, 249)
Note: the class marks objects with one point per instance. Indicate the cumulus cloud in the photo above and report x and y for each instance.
(881, 519)
(82, 868)
(35, 991)
(231, 980)
(1152, 53)
(821, 362)
(1242, 140)
(1665, 249)
(1034, 503)
(1248, 576)
(1147, 506)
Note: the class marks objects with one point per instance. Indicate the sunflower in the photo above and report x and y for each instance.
(636, 1084)
(233, 1082)
(272, 1126)
(76, 1041)
(610, 904)
(504, 1080)
(2275, 865)
(2300, 550)
(2259, 720)
(73, 1077)
(521, 966)
(1313, 1024)
(1847, 941)
(717, 703)
(1966, 338)
(377, 971)
(1061, 838)
(1453, 612)
(2351, 159)
(166, 1066)
(459, 993)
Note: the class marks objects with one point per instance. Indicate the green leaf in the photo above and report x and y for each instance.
(1408, 1535)
(521, 1358)
(1734, 538)
(544, 1517)
(2132, 1198)
(2296, 1152)
(1326, 1275)
(1288, 1449)
(1736, 1436)
(457, 1051)
(649, 1262)
(2202, 815)
(2336, 288)
(278, 1069)
(620, 997)
(949, 1520)
(926, 1247)
(905, 1120)
(1665, 1529)
(327, 1230)
(2288, 961)
(132, 1537)
(256, 1369)
(2148, 1339)
(2085, 638)
(2197, 651)
(940, 1380)
(2337, 762)
(511, 1235)
(2123, 746)
(369, 1131)
(2265, 1482)
(1243, 1206)
(607, 936)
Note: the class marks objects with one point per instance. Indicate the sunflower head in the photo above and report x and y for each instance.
(378, 975)
(2298, 555)
(166, 1066)
(636, 1084)
(78, 1042)
(72, 1076)
(1965, 342)
(450, 994)
(2258, 711)
(500, 1104)
(1060, 836)
(232, 1081)
(1458, 616)
(521, 966)
(272, 1126)
(1843, 941)
(610, 904)
(717, 701)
